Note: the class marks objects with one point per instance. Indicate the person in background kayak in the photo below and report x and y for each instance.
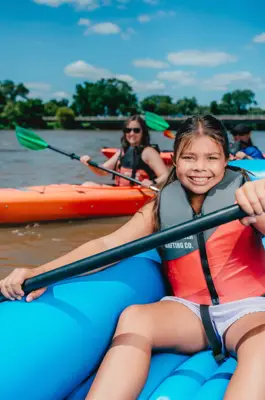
(217, 277)
(136, 158)
(243, 147)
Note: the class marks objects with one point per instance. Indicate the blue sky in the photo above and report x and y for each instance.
(199, 48)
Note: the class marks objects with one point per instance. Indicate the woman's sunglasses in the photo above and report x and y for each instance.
(135, 130)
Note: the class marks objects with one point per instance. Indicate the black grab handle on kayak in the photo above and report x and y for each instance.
(135, 247)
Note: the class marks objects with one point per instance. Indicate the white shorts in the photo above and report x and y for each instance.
(224, 315)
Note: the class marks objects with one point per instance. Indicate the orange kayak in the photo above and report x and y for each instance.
(165, 155)
(58, 202)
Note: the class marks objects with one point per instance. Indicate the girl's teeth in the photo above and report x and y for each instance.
(200, 179)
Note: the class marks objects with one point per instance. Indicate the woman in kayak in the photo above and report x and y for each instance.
(136, 158)
(243, 147)
(217, 277)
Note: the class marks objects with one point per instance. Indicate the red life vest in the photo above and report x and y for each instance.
(216, 266)
(132, 165)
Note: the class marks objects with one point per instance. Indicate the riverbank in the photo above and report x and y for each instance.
(109, 123)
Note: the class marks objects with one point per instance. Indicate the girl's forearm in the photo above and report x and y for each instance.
(97, 171)
(86, 250)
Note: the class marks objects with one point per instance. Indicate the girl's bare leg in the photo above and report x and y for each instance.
(125, 367)
(247, 337)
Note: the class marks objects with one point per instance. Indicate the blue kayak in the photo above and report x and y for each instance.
(51, 347)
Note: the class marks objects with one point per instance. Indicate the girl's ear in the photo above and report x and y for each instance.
(173, 161)
(226, 162)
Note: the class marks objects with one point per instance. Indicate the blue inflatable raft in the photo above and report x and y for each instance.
(51, 348)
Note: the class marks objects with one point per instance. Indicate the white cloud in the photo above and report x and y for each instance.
(127, 33)
(42, 86)
(144, 18)
(81, 69)
(151, 2)
(150, 63)
(84, 22)
(142, 86)
(43, 90)
(200, 58)
(125, 78)
(259, 38)
(51, 3)
(61, 95)
(162, 13)
(242, 79)
(89, 5)
(152, 86)
(181, 77)
(159, 14)
(104, 28)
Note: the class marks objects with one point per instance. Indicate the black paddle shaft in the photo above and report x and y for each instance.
(119, 253)
(74, 156)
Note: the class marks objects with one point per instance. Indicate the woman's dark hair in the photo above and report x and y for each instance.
(145, 138)
(193, 126)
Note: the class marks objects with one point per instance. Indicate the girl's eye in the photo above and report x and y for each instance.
(187, 157)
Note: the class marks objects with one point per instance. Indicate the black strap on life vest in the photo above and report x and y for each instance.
(137, 157)
(213, 339)
(138, 163)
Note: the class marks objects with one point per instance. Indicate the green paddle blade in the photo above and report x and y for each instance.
(29, 139)
(155, 122)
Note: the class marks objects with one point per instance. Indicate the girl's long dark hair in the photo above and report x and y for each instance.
(145, 142)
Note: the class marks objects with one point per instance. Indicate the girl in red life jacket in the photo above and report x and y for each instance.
(204, 310)
(136, 158)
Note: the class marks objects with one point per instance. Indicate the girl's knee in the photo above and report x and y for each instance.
(134, 319)
(252, 343)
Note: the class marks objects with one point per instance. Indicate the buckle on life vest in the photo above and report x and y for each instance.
(219, 357)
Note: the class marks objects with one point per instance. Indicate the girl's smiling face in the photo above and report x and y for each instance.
(200, 165)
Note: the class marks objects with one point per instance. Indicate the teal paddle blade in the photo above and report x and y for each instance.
(155, 122)
(30, 139)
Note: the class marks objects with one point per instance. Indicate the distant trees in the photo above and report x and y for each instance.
(104, 97)
(109, 97)
(236, 102)
(65, 117)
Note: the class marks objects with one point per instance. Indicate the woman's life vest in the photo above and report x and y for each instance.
(219, 265)
(254, 152)
(248, 148)
(132, 165)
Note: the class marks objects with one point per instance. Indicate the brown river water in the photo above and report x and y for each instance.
(35, 244)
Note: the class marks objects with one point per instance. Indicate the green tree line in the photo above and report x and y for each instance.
(108, 97)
